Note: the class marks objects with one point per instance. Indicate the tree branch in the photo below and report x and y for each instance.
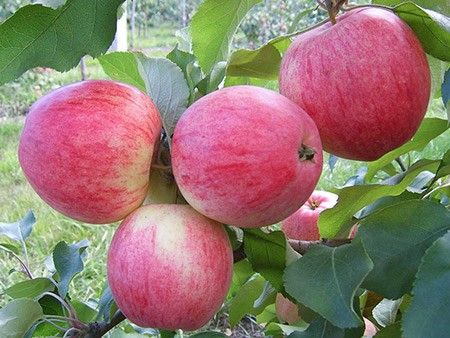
(98, 329)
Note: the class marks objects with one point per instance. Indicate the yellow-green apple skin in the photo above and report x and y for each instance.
(169, 267)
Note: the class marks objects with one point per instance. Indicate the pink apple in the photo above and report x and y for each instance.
(246, 156)
(86, 149)
(370, 328)
(169, 267)
(365, 81)
(287, 311)
(302, 225)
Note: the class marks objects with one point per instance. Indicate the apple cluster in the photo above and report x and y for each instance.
(242, 156)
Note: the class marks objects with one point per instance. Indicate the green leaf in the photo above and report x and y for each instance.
(437, 69)
(429, 130)
(404, 231)
(239, 80)
(335, 221)
(30, 288)
(321, 328)
(428, 314)
(267, 254)
(68, 262)
(245, 298)
(85, 312)
(326, 280)
(105, 304)
(10, 248)
(123, 67)
(211, 82)
(166, 85)
(262, 63)
(242, 271)
(277, 330)
(442, 6)
(21, 230)
(51, 3)
(41, 36)
(17, 317)
(213, 27)
(391, 331)
(118, 333)
(432, 28)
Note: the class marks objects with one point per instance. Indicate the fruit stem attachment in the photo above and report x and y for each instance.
(99, 329)
(306, 153)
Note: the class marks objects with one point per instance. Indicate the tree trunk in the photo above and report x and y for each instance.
(133, 23)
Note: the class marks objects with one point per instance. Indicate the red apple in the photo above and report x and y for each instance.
(302, 225)
(365, 81)
(287, 311)
(246, 156)
(370, 328)
(169, 267)
(87, 148)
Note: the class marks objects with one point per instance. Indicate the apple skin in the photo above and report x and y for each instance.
(365, 81)
(287, 311)
(87, 148)
(235, 156)
(302, 225)
(370, 328)
(169, 267)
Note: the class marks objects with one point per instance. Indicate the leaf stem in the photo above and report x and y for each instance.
(72, 314)
(428, 194)
(25, 268)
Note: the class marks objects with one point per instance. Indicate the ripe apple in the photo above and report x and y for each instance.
(246, 156)
(86, 149)
(365, 81)
(287, 311)
(169, 267)
(302, 225)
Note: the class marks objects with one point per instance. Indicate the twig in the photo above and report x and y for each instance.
(98, 329)
(25, 268)
(400, 163)
(428, 194)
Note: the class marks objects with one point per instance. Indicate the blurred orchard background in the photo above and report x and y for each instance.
(150, 26)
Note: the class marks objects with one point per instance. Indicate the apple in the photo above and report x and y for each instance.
(287, 311)
(246, 156)
(365, 81)
(87, 148)
(370, 328)
(169, 267)
(302, 225)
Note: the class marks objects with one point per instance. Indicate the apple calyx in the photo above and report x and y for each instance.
(306, 153)
(313, 204)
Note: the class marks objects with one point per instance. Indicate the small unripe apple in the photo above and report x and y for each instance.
(302, 225)
(86, 149)
(287, 311)
(246, 156)
(365, 81)
(169, 267)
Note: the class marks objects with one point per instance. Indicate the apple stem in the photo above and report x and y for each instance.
(306, 153)
(99, 329)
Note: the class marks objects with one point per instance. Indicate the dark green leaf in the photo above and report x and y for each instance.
(404, 231)
(19, 231)
(84, 311)
(17, 317)
(321, 328)
(352, 199)
(445, 90)
(326, 280)
(40, 36)
(267, 254)
(429, 129)
(428, 314)
(105, 304)
(123, 67)
(30, 288)
(68, 262)
(245, 298)
(432, 28)
(166, 85)
(213, 27)
(391, 331)
(385, 202)
(262, 63)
